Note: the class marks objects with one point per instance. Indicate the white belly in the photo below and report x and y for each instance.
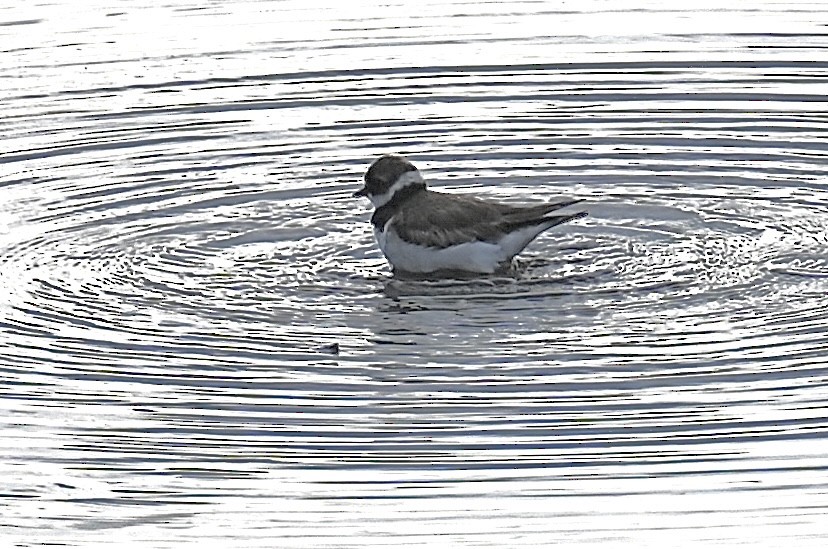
(478, 257)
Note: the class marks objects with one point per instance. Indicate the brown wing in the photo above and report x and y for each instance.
(441, 220)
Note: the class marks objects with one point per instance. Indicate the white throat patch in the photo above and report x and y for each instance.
(403, 181)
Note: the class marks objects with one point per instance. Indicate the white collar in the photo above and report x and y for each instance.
(408, 178)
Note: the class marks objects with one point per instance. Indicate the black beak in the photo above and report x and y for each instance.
(362, 192)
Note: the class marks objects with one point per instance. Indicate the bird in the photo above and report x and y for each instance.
(423, 232)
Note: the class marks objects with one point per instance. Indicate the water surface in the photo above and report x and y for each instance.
(200, 341)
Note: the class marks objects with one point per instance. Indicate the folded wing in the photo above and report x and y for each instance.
(441, 220)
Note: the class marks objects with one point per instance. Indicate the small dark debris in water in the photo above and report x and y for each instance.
(20, 22)
(62, 485)
(332, 349)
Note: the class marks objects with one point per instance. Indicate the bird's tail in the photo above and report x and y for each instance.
(542, 215)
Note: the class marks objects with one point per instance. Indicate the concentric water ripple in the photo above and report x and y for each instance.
(199, 340)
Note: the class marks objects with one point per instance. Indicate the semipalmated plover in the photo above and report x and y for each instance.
(423, 231)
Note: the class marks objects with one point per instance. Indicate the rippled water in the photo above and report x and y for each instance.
(199, 340)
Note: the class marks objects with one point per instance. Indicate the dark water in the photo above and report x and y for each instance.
(200, 342)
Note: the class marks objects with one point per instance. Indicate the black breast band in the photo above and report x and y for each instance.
(387, 210)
